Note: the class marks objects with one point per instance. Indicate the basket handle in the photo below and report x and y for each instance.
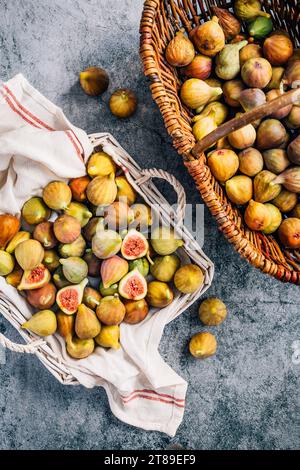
(260, 112)
(30, 348)
(181, 197)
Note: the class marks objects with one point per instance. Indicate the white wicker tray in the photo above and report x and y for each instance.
(141, 181)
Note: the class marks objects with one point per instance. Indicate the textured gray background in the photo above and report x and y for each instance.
(246, 397)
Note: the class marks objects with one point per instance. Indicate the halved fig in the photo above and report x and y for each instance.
(133, 286)
(35, 278)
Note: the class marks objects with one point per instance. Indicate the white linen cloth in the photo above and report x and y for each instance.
(37, 145)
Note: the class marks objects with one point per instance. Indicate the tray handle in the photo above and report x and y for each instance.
(150, 173)
(30, 348)
(260, 112)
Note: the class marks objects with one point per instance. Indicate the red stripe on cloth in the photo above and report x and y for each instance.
(26, 111)
(12, 106)
(155, 393)
(78, 151)
(147, 397)
(82, 149)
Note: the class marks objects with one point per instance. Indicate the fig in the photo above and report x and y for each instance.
(290, 179)
(76, 248)
(223, 164)
(257, 72)
(100, 164)
(260, 27)
(80, 212)
(111, 310)
(93, 263)
(125, 191)
(35, 211)
(276, 160)
(295, 213)
(42, 323)
(242, 138)
(65, 324)
(51, 260)
(209, 37)
(293, 119)
(282, 112)
(42, 298)
(180, 50)
(114, 289)
(212, 312)
(87, 325)
(134, 245)
(123, 103)
(251, 161)
(118, 215)
(218, 112)
(106, 243)
(141, 264)
(94, 81)
(289, 233)
(285, 201)
(112, 270)
(57, 195)
(6, 263)
(200, 67)
(204, 125)
(14, 278)
(69, 298)
(133, 286)
(257, 216)
(250, 51)
(91, 298)
(34, 278)
(270, 135)
(44, 234)
(228, 22)
(74, 268)
(196, 93)
(136, 311)
(248, 10)
(232, 90)
(278, 49)
(9, 226)
(159, 294)
(239, 189)
(250, 99)
(109, 337)
(264, 187)
(164, 267)
(80, 348)
(59, 279)
(164, 241)
(78, 187)
(228, 61)
(20, 237)
(66, 228)
(276, 219)
(294, 151)
(102, 190)
(277, 75)
(203, 345)
(29, 254)
(188, 279)
(95, 224)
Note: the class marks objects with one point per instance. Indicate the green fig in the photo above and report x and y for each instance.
(228, 61)
(42, 323)
(59, 279)
(114, 289)
(51, 260)
(164, 241)
(80, 348)
(165, 267)
(260, 27)
(87, 325)
(141, 264)
(7, 263)
(106, 243)
(74, 269)
(75, 248)
(91, 298)
(80, 212)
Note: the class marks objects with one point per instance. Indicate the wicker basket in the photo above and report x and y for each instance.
(160, 20)
(141, 181)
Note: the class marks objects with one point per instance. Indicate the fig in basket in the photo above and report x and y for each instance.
(102, 190)
(251, 162)
(118, 215)
(232, 91)
(136, 311)
(257, 73)
(248, 10)
(164, 241)
(285, 201)
(66, 228)
(94, 224)
(271, 134)
(44, 234)
(78, 187)
(59, 279)
(100, 164)
(87, 325)
(91, 298)
(109, 337)
(180, 50)
(42, 298)
(159, 294)
(76, 248)
(112, 270)
(9, 226)
(141, 264)
(133, 286)
(164, 267)
(188, 279)
(228, 61)
(276, 219)
(203, 345)
(57, 195)
(278, 48)
(111, 311)
(7, 263)
(35, 278)
(93, 263)
(65, 324)
(70, 297)
(42, 323)
(35, 211)
(112, 290)
(106, 243)
(257, 216)
(20, 237)
(14, 278)
(196, 93)
(125, 191)
(289, 233)
(80, 212)
(75, 269)
(239, 189)
(29, 254)
(209, 37)
(80, 348)
(134, 245)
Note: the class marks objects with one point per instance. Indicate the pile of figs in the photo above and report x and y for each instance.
(230, 65)
(80, 256)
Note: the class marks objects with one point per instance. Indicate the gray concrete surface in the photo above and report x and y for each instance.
(247, 396)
